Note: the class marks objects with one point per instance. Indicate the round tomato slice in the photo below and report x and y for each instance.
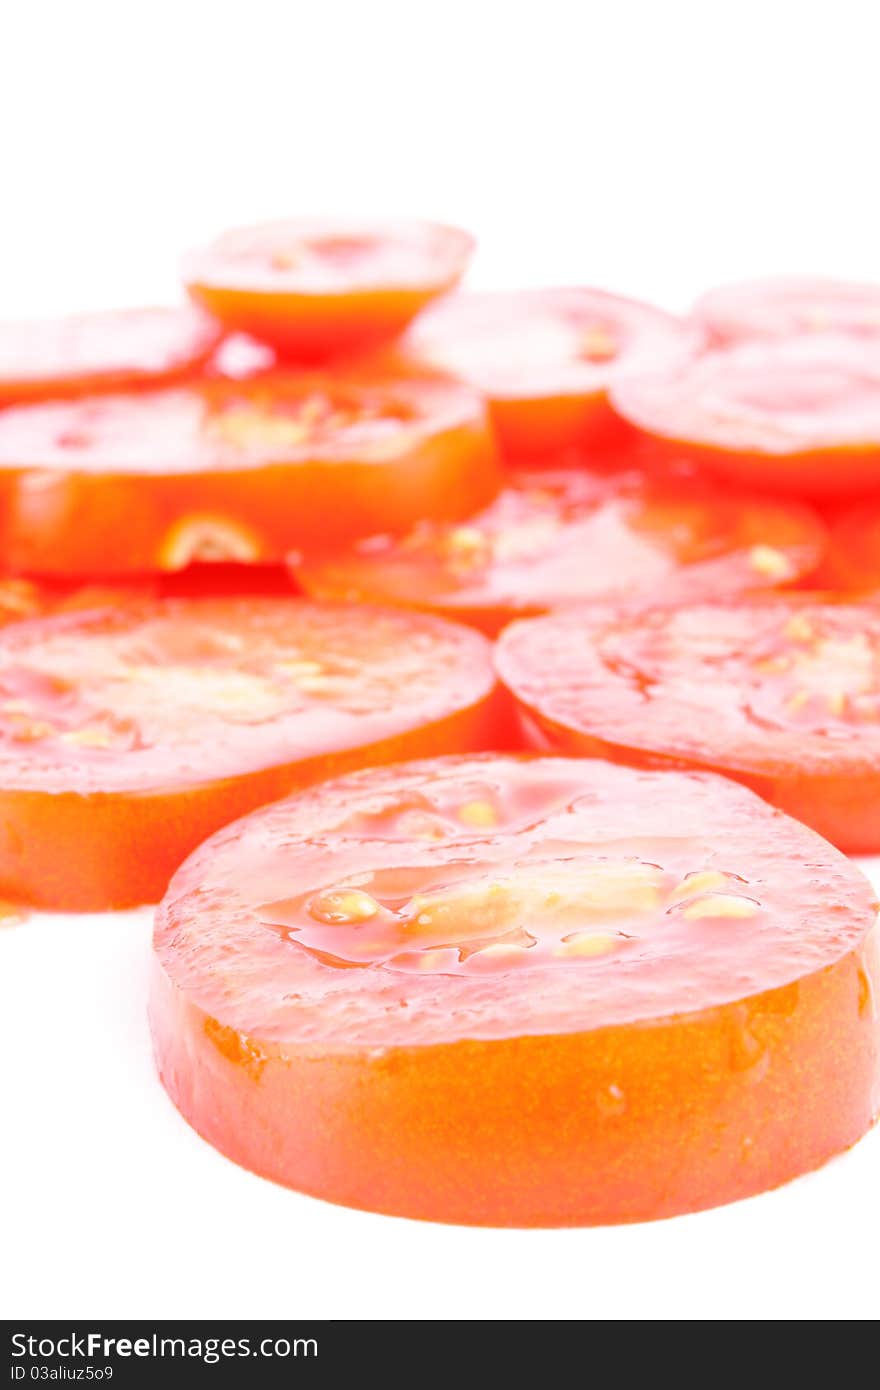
(798, 415)
(781, 692)
(234, 472)
(520, 992)
(545, 359)
(787, 307)
(314, 287)
(129, 734)
(116, 350)
(557, 539)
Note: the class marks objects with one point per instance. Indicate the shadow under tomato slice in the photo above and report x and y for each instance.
(513, 991)
(130, 733)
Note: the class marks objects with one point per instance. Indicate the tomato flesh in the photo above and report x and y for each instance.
(545, 359)
(781, 692)
(314, 288)
(853, 559)
(513, 991)
(558, 539)
(116, 350)
(789, 306)
(224, 472)
(798, 415)
(128, 734)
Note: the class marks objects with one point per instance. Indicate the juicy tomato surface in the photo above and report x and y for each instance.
(781, 692)
(557, 539)
(244, 472)
(788, 306)
(545, 359)
(116, 350)
(513, 991)
(316, 287)
(796, 415)
(128, 734)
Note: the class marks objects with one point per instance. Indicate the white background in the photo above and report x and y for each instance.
(648, 148)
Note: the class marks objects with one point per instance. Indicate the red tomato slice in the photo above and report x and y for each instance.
(799, 415)
(853, 560)
(781, 692)
(520, 992)
(129, 734)
(118, 350)
(545, 359)
(556, 539)
(787, 307)
(242, 473)
(313, 287)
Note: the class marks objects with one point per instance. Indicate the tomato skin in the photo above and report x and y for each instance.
(314, 309)
(86, 835)
(786, 306)
(154, 476)
(558, 539)
(117, 350)
(523, 351)
(285, 1110)
(793, 768)
(457, 1116)
(794, 416)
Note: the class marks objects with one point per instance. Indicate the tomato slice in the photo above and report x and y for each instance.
(241, 472)
(779, 691)
(313, 287)
(853, 559)
(788, 306)
(513, 991)
(556, 539)
(546, 358)
(129, 734)
(797, 415)
(116, 350)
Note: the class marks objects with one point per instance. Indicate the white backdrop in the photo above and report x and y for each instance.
(649, 148)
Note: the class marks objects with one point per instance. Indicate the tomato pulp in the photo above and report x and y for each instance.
(788, 306)
(545, 359)
(558, 539)
(797, 415)
(781, 692)
(853, 560)
(117, 350)
(520, 992)
(225, 472)
(317, 287)
(130, 733)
